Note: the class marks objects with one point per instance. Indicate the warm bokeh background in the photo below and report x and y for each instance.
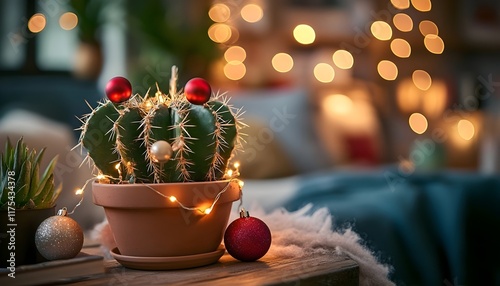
(326, 83)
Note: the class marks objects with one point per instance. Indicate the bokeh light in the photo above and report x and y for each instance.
(37, 23)
(422, 5)
(387, 70)
(466, 129)
(219, 13)
(235, 70)
(252, 13)
(304, 34)
(418, 123)
(282, 62)
(219, 33)
(235, 53)
(381, 30)
(431, 102)
(338, 103)
(401, 48)
(68, 21)
(428, 27)
(343, 59)
(401, 4)
(434, 44)
(324, 72)
(421, 79)
(403, 22)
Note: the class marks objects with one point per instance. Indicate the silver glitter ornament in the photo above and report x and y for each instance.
(59, 237)
(161, 151)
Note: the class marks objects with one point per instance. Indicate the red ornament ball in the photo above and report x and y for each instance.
(197, 91)
(118, 89)
(247, 238)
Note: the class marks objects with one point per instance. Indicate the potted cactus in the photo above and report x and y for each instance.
(161, 162)
(26, 199)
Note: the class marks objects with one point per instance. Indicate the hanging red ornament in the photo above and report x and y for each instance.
(118, 89)
(247, 238)
(197, 91)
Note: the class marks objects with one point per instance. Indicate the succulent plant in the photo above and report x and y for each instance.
(119, 136)
(20, 180)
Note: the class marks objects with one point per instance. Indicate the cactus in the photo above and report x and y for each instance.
(19, 173)
(119, 136)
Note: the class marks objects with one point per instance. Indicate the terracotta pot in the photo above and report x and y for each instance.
(147, 224)
(22, 235)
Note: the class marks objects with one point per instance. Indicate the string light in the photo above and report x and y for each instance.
(230, 174)
(205, 211)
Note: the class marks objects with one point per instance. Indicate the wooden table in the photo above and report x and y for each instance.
(317, 269)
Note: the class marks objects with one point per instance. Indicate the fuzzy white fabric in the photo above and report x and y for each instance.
(297, 234)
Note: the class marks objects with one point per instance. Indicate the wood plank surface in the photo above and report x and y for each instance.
(316, 269)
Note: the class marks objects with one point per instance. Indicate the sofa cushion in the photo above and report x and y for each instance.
(283, 119)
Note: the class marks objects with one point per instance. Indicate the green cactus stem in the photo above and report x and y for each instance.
(118, 137)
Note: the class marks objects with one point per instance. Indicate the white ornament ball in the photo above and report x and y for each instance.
(161, 151)
(59, 237)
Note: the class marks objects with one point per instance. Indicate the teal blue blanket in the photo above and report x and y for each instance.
(434, 229)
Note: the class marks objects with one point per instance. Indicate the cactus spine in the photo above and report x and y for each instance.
(118, 137)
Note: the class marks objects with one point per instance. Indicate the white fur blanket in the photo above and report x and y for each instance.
(296, 234)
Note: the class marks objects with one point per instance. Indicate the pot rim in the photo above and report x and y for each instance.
(190, 194)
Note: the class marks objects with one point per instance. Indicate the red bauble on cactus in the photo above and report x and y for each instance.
(197, 91)
(247, 238)
(118, 89)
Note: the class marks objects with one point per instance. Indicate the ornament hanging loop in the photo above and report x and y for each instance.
(244, 213)
(62, 212)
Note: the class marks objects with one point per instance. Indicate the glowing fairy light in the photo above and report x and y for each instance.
(403, 22)
(282, 62)
(252, 13)
(219, 13)
(343, 59)
(434, 44)
(229, 173)
(381, 30)
(324, 73)
(200, 210)
(78, 192)
(401, 4)
(387, 70)
(422, 5)
(418, 123)
(68, 21)
(466, 129)
(37, 23)
(236, 165)
(304, 34)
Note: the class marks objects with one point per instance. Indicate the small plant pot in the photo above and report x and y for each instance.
(18, 237)
(146, 223)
